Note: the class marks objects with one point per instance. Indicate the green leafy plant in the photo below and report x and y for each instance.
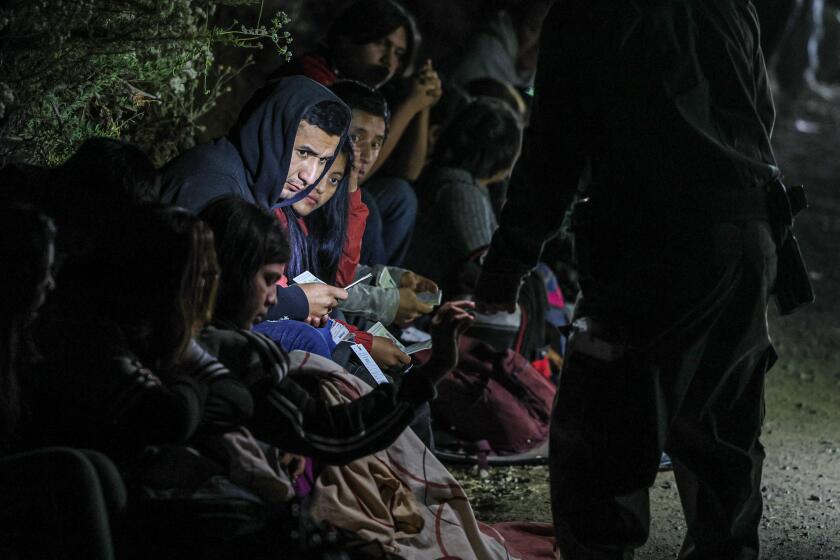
(141, 70)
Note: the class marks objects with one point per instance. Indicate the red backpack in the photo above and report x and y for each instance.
(495, 396)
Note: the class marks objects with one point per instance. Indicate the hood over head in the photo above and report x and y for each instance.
(265, 132)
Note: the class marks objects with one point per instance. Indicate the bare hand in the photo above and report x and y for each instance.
(386, 354)
(322, 298)
(417, 283)
(426, 88)
(410, 307)
(448, 324)
(295, 464)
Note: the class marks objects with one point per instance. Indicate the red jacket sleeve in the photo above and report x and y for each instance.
(352, 250)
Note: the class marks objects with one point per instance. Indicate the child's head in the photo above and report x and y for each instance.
(252, 252)
(497, 89)
(484, 139)
(453, 100)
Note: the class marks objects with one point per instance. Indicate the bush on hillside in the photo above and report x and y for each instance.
(140, 70)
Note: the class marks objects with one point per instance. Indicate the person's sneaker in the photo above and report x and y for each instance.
(665, 463)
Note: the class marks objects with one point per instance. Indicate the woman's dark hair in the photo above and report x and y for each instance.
(320, 250)
(362, 97)
(483, 139)
(247, 238)
(453, 100)
(328, 226)
(25, 238)
(329, 116)
(365, 21)
(156, 277)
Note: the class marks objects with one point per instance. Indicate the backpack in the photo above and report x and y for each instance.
(524, 330)
(494, 396)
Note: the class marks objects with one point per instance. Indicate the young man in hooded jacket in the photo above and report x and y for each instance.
(284, 141)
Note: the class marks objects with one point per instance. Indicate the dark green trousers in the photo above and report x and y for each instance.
(58, 502)
(672, 358)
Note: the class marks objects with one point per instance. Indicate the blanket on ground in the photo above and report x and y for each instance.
(402, 497)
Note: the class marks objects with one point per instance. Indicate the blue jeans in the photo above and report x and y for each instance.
(297, 335)
(393, 211)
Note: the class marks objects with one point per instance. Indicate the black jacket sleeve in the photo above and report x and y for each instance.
(228, 402)
(289, 414)
(546, 175)
(298, 420)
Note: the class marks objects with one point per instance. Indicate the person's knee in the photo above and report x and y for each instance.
(396, 197)
(374, 219)
(295, 335)
(405, 195)
(63, 463)
(113, 487)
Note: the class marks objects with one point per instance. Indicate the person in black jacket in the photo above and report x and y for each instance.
(252, 253)
(666, 107)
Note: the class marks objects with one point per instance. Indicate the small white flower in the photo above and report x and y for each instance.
(177, 84)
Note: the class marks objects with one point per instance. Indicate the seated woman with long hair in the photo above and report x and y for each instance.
(253, 252)
(41, 487)
(121, 369)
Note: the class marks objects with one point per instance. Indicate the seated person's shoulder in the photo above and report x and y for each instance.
(451, 179)
(250, 356)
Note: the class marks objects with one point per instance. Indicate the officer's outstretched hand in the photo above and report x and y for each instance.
(448, 324)
(496, 293)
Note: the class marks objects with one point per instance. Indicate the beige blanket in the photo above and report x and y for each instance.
(402, 496)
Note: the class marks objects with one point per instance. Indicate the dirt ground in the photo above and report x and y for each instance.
(802, 429)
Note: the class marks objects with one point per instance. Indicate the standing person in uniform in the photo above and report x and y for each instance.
(667, 106)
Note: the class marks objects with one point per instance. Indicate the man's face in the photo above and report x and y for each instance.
(263, 295)
(325, 190)
(367, 132)
(312, 149)
(376, 62)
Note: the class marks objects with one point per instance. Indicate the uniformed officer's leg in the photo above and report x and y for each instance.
(718, 464)
(605, 445)
(714, 438)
